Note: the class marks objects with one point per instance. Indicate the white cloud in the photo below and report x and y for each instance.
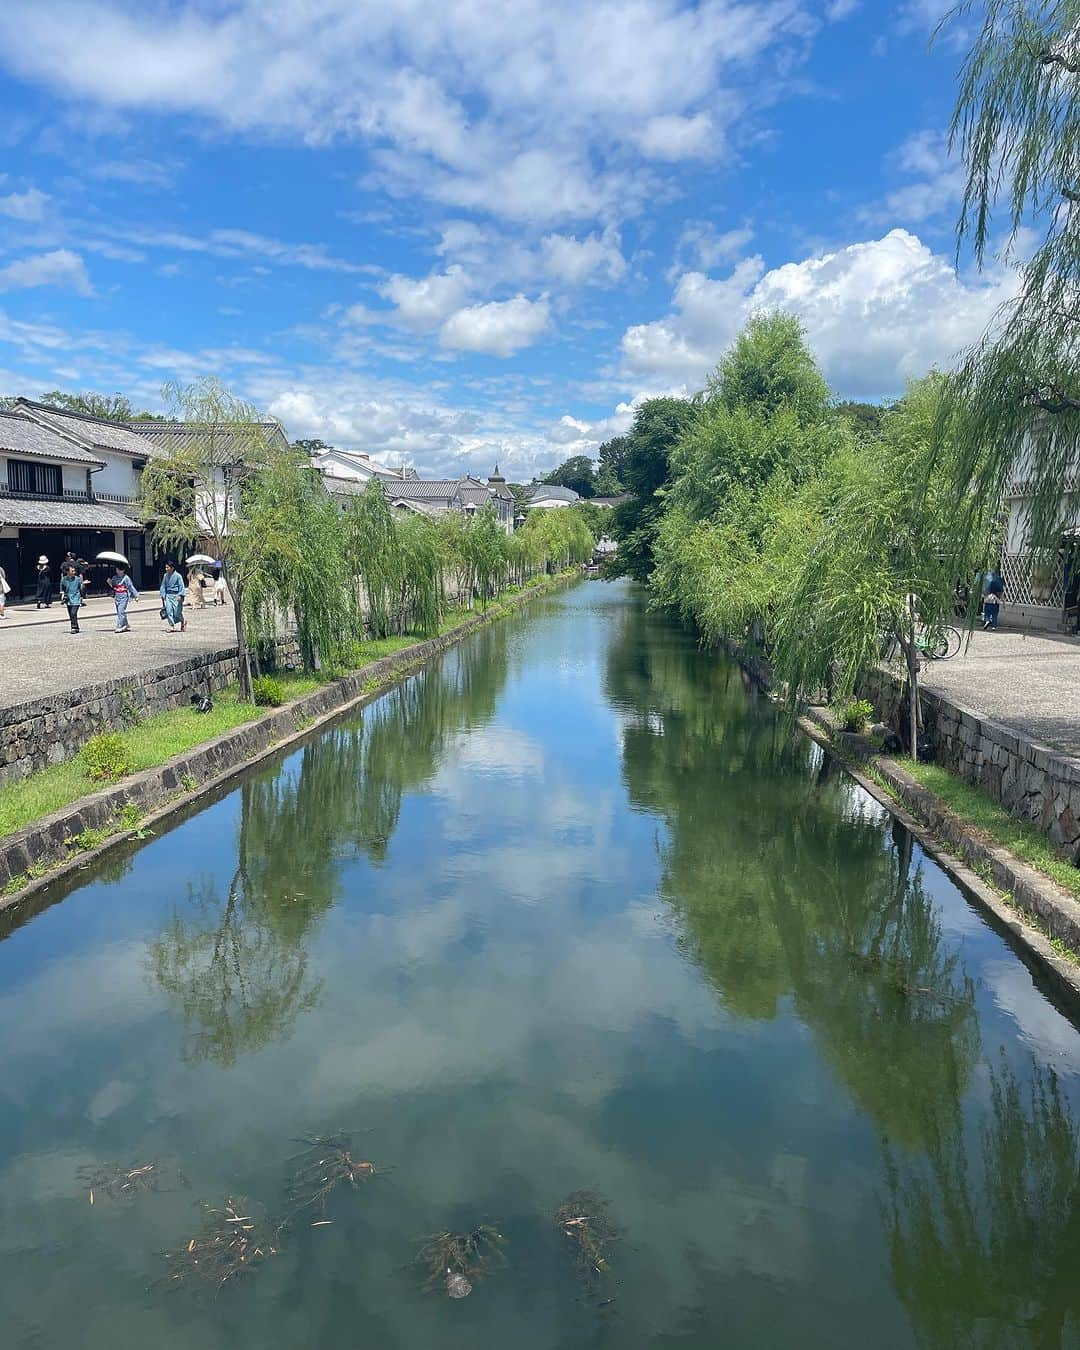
(60, 267)
(568, 430)
(533, 111)
(422, 304)
(876, 313)
(28, 205)
(233, 243)
(673, 137)
(937, 190)
(701, 246)
(145, 172)
(576, 261)
(499, 328)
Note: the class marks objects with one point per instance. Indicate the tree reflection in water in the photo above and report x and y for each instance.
(984, 1253)
(784, 886)
(237, 966)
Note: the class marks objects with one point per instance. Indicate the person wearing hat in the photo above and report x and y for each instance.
(44, 583)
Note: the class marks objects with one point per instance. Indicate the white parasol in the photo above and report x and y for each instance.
(201, 559)
(113, 558)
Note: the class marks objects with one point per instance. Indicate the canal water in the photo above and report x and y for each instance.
(567, 911)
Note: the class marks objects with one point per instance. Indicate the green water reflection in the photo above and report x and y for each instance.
(569, 911)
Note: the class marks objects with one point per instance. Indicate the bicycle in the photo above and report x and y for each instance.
(938, 642)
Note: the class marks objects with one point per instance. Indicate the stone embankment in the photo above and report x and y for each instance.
(52, 729)
(34, 857)
(1034, 782)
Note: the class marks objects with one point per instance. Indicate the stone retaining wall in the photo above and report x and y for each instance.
(52, 729)
(1032, 781)
(54, 841)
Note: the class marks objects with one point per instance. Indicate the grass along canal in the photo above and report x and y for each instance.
(564, 966)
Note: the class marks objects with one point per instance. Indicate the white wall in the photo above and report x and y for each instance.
(117, 477)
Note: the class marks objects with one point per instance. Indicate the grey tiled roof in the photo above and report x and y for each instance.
(21, 436)
(229, 439)
(89, 432)
(64, 515)
(422, 489)
(553, 492)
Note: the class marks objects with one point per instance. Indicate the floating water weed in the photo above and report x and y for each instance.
(326, 1163)
(231, 1243)
(584, 1219)
(125, 1182)
(455, 1261)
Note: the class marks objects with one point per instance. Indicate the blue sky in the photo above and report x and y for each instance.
(474, 231)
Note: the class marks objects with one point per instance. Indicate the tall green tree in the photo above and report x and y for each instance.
(610, 458)
(1015, 400)
(194, 493)
(881, 560)
(112, 407)
(658, 424)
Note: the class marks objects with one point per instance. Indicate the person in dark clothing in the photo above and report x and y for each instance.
(72, 593)
(44, 583)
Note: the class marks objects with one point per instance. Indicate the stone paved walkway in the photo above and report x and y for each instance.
(38, 653)
(1029, 683)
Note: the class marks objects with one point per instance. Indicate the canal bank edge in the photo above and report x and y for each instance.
(50, 849)
(1035, 911)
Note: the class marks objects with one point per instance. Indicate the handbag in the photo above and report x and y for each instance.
(4, 587)
(162, 612)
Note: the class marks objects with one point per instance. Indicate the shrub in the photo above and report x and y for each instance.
(856, 714)
(267, 692)
(105, 757)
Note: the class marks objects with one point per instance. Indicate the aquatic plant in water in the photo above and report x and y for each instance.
(231, 1243)
(125, 1182)
(584, 1219)
(455, 1261)
(326, 1163)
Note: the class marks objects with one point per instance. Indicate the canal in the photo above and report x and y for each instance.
(568, 911)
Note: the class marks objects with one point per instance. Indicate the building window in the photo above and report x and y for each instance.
(46, 480)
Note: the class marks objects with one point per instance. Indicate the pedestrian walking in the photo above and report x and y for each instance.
(196, 584)
(5, 591)
(123, 592)
(71, 592)
(172, 597)
(44, 583)
(219, 587)
(991, 608)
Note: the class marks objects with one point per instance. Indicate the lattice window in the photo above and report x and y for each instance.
(1016, 572)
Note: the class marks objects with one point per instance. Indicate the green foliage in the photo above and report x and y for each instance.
(1015, 400)
(292, 540)
(576, 473)
(112, 407)
(267, 692)
(658, 424)
(105, 757)
(609, 474)
(769, 368)
(865, 419)
(855, 715)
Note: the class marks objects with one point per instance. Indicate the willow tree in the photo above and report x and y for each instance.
(1015, 126)
(484, 550)
(294, 529)
(879, 563)
(192, 493)
(371, 554)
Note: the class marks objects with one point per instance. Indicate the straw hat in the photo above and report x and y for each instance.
(43, 559)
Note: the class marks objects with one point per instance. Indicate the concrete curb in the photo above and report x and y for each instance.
(170, 787)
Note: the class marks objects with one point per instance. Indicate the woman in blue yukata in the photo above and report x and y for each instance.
(123, 591)
(172, 597)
